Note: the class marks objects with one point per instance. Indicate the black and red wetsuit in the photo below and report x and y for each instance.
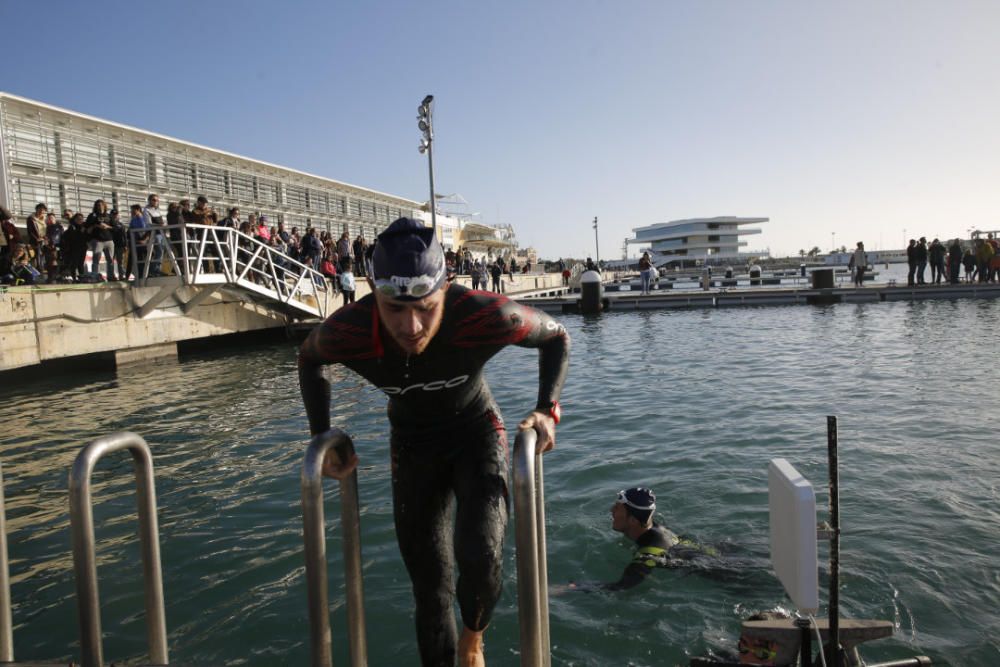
(447, 441)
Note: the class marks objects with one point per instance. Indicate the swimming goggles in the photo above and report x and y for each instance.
(623, 499)
(416, 287)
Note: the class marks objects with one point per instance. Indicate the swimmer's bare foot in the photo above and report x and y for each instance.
(470, 649)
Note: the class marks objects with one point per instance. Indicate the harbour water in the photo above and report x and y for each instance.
(691, 403)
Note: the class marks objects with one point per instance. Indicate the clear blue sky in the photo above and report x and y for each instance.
(859, 118)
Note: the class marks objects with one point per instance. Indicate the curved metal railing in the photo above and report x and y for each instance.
(532, 565)
(206, 255)
(84, 559)
(314, 534)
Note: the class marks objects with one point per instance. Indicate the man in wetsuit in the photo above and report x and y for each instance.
(656, 546)
(424, 342)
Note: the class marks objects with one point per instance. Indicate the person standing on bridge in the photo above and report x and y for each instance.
(424, 341)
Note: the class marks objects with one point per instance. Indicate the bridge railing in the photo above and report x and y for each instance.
(206, 254)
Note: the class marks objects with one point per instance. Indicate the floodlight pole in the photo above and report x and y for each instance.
(597, 247)
(425, 122)
(834, 649)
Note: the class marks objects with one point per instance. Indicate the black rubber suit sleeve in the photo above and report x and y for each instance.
(315, 390)
(553, 345)
(633, 575)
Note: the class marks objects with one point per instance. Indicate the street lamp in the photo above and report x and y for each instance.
(597, 247)
(833, 241)
(426, 124)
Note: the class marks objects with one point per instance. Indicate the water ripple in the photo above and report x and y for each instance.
(692, 403)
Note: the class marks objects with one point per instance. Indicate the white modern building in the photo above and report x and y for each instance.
(67, 160)
(696, 239)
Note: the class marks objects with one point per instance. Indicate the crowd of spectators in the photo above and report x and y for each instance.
(54, 250)
(981, 261)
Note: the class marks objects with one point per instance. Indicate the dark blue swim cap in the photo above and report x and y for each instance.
(638, 501)
(408, 262)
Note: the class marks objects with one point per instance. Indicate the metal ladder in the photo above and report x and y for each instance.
(84, 559)
(532, 576)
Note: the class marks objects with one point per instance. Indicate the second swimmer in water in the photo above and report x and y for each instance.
(655, 545)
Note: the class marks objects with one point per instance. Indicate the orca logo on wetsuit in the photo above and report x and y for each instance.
(436, 385)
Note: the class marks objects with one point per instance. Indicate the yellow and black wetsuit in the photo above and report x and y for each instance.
(659, 547)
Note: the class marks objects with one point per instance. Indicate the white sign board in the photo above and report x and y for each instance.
(793, 534)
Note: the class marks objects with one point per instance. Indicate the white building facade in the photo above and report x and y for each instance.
(696, 239)
(67, 160)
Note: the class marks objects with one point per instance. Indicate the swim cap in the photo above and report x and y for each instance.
(638, 501)
(407, 262)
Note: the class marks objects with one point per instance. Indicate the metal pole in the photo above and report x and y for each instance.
(425, 118)
(430, 167)
(543, 563)
(805, 642)
(6, 620)
(831, 442)
(597, 245)
(84, 558)
(314, 535)
(527, 533)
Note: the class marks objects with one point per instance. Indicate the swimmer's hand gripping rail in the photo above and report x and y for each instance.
(532, 568)
(314, 534)
(84, 559)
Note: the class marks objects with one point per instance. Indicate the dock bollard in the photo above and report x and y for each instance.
(591, 292)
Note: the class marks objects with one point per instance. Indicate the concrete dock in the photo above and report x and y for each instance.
(111, 324)
(764, 296)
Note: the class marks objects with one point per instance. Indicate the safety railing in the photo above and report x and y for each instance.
(532, 565)
(314, 534)
(206, 255)
(84, 558)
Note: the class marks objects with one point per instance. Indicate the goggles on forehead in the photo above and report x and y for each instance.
(623, 500)
(415, 287)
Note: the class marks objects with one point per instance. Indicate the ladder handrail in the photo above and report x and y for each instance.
(532, 564)
(84, 558)
(6, 619)
(314, 536)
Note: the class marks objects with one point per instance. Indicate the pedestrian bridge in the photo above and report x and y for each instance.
(212, 259)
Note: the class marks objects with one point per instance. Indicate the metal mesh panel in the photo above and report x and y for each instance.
(319, 202)
(28, 191)
(177, 175)
(30, 145)
(267, 191)
(211, 180)
(295, 197)
(241, 187)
